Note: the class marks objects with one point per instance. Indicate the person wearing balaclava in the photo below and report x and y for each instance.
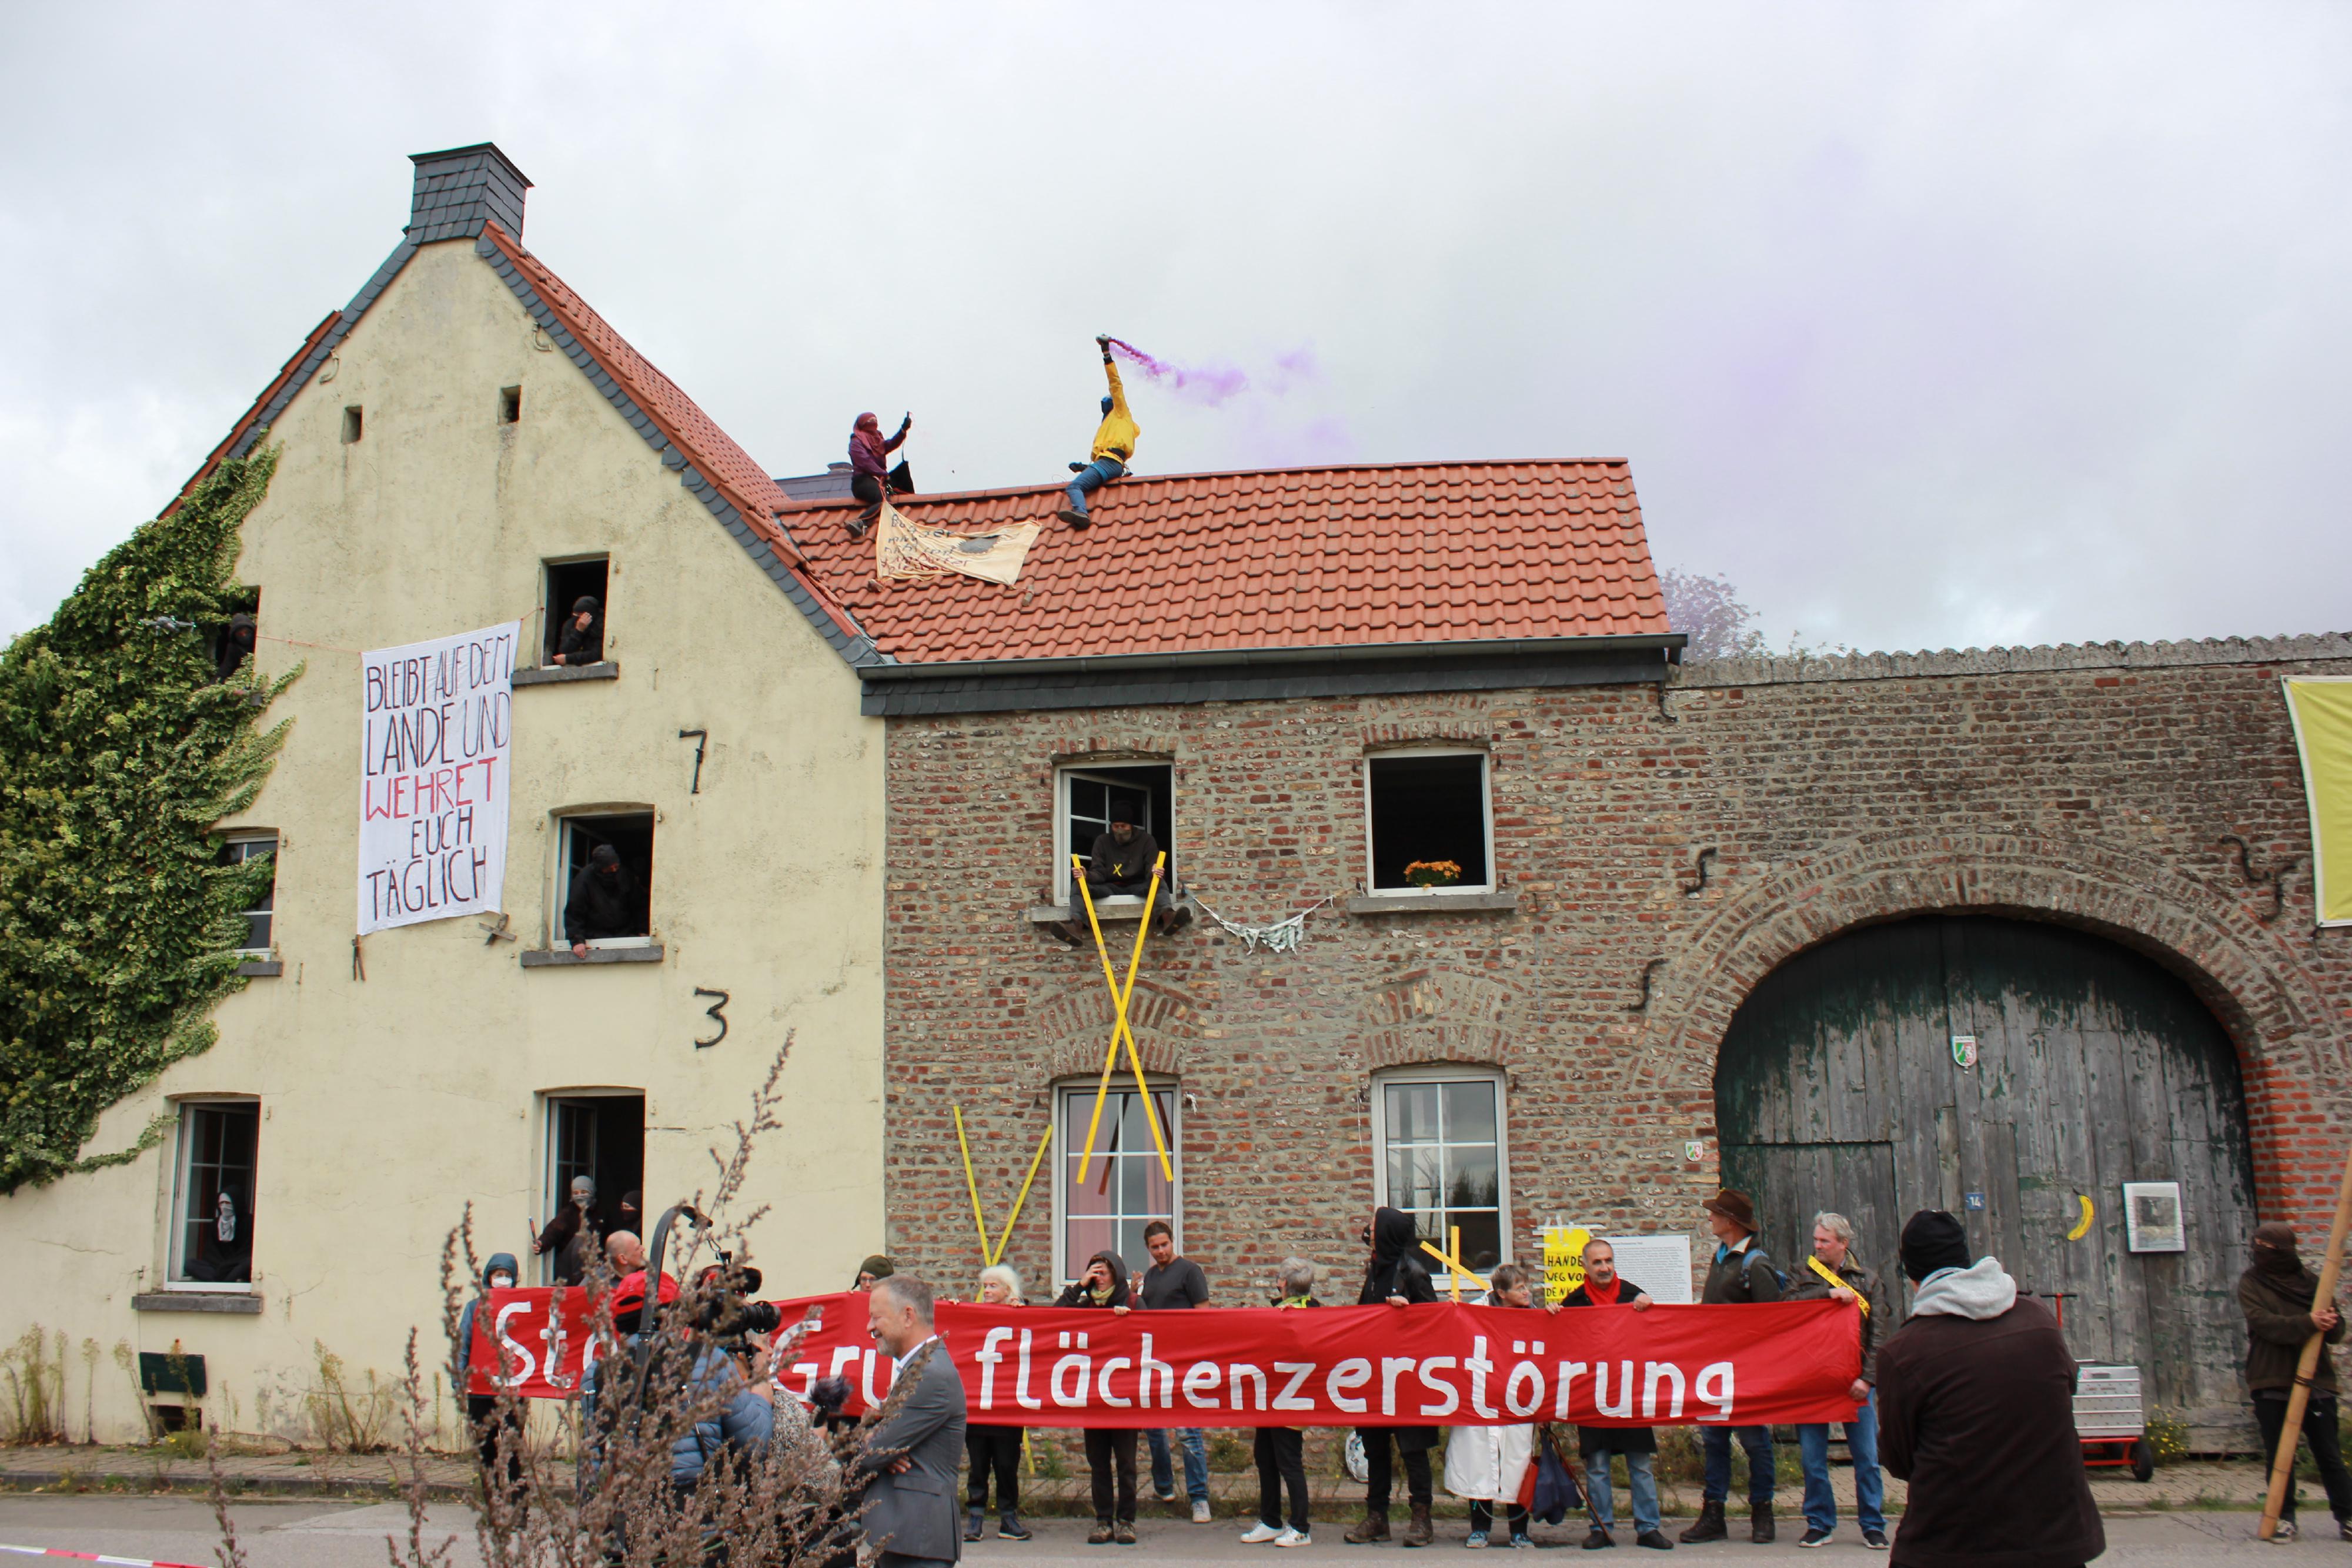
(1114, 447)
(1975, 1397)
(1394, 1277)
(566, 1233)
(869, 453)
(582, 640)
(605, 901)
(1111, 1455)
(2276, 1293)
(490, 1424)
(224, 1243)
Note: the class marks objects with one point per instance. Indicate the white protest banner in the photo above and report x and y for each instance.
(437, 718)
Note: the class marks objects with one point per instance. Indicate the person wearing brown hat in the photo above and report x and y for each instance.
(1741, 1273)
(2276, 1294)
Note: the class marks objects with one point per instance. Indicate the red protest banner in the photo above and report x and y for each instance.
(1437, 1364)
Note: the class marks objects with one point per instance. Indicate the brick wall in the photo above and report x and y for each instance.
(2088, 786)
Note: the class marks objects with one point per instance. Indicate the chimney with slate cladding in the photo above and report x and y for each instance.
(456, 190)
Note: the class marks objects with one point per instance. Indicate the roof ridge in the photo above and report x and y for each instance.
(828, 503)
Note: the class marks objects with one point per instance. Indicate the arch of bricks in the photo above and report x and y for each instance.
(2244, 971)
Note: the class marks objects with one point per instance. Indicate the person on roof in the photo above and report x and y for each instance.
(870, 475)
(1114, 447)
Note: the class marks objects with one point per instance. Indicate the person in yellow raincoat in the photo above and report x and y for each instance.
(1114, 447)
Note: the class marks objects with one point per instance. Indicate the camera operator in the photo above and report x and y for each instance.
(731, 1372)
(912, 1457)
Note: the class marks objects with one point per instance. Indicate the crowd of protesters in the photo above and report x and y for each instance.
(1972, 1398)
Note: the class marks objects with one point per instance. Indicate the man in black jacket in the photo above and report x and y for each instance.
(1119, 864)
(603, 902)
(1110, 1452)
(2276, 1295)
(1605, 1287)
(582, 640)
(1394, 1277)
(1741, 1272)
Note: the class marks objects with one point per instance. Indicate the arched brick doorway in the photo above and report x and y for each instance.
(1838, 1086)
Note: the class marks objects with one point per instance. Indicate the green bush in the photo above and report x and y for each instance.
(119, 750)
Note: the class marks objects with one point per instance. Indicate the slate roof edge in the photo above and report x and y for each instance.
(2210, 650)
(929, 498)
(1669, 642)
(768, 544)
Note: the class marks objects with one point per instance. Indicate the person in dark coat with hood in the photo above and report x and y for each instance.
(1975, 1409)
(582, 639)
(1394, 1277)
(2276, 1294)
(484, 1416)
(1104, 1286)
(606, 900)
(1605, 1287)
(568, 1232)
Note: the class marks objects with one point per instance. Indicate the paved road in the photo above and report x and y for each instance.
(313, 1534)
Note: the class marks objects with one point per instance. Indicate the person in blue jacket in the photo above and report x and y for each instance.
(484, 1419)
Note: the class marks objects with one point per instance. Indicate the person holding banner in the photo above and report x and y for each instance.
(491, 1427)
(996, 1449)
(1104, 1286)
(1281, 1451)
(1486, 1464)
(1605, 1287)
(1394, 1277)
(1842, 1277)
(1741, 1272)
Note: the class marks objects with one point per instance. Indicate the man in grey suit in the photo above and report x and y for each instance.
(910, 1499)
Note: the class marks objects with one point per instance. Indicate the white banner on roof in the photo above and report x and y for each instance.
(437, 718)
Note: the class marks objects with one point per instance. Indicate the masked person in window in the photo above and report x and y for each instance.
(1394, 1276)
(236, 645)
(491, 1425)
(1120, 865)
(566, 1234)
(225, 1248)
(606, 900)
(1104, 1285)
(582, 640)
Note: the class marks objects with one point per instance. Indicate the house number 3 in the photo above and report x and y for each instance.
(717, 1016)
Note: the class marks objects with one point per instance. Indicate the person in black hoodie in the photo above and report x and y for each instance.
(493, 1423)
(1394, 1277)
(1104, 1285)
(606, 900)
(582, 640)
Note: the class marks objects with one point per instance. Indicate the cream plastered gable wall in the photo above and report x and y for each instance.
(390, 1104)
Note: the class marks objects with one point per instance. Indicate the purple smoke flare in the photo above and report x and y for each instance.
(1210, 384)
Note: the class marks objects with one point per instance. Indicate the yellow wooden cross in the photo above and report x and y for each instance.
(1035, 1160)
(1452, 1258)
(972, 1184)
(1119, 1031)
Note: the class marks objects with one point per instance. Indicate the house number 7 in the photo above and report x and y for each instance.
(716, 1017)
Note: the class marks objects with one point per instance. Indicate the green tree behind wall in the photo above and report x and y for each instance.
(120, 749)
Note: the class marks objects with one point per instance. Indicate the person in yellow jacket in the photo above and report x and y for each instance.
(1114, 447)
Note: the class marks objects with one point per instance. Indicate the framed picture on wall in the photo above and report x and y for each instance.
(2152, 1218)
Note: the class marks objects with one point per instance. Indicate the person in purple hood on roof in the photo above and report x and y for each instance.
(869, 470)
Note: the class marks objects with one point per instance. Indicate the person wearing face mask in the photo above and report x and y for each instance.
(582, 640)
(869, 478)
(996, 1449)
(224, 1246)
(2275, 1294)
(566, 1234)
(1114, 447)
(606, 900)
(490, 1424)
(1394, 1277)
(1111, 1455)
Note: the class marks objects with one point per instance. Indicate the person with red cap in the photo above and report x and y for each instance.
(1741, 1273)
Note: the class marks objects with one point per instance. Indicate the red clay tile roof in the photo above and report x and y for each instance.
(1421, 552)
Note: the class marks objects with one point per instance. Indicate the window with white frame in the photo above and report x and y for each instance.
(1440, 1155)
(1123, 1187)
(605, 902)
(1429, 823)
(237, 849)
(213, 1197)
(1088, 799)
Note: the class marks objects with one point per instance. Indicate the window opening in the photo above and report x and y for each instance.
(510, 406)
(1429, 808)
(568, 584)
(218, 1142)
(597, 909)
(239, 849)
(353, 419)
(602, 1138)
(1124, 1189)
(1090, 796)
(230, 644)
(1441, 1159)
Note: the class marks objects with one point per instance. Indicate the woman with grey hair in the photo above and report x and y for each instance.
(996, 1447)
(1281, 1451)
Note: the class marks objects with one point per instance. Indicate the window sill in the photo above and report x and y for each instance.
(1110, 911)
(260, 968)
(560, 675)
(562, 957)
(1429, 902)
(240, 1303)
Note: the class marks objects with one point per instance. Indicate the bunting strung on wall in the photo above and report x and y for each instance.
(1282, 937)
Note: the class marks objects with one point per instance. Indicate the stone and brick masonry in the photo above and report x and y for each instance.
(2086, 785)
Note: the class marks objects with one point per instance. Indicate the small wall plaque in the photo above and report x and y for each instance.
(1964, 1051)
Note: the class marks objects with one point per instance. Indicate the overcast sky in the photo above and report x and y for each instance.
(1928, 325)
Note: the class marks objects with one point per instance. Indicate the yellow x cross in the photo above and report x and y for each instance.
(1120, 1031)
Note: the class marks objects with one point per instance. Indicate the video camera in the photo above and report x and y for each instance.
(729, 1315)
